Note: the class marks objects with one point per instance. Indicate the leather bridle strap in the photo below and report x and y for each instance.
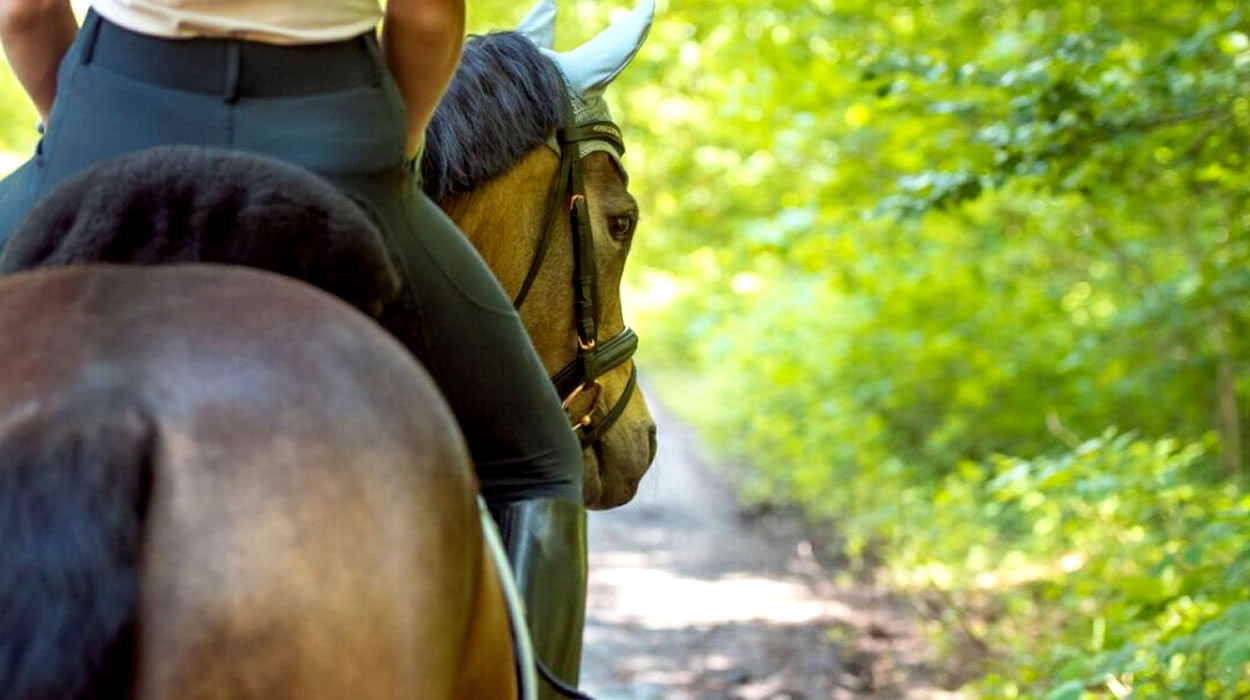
(612, 353)
(585, 270)
(559, 193)
(566, 138)
(593, 360)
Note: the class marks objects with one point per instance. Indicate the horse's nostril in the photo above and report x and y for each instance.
(651, 442)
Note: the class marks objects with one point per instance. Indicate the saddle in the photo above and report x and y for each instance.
(187, 204)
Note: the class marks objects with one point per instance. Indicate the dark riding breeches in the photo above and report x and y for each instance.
(333, 109)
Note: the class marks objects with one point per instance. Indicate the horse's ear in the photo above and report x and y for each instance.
(590, 67)
(539, 26)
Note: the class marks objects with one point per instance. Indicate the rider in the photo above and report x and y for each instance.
(307, 81)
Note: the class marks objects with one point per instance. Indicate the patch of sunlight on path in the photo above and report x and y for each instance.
(690, 601)
(659, 599)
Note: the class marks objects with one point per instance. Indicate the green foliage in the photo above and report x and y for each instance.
(1111, 566)
(889, 243)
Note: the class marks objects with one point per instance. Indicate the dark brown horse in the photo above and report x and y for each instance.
(256, 461)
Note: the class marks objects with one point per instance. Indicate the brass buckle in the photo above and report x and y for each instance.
(580, 419)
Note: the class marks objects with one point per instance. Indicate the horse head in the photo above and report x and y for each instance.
(523, 155)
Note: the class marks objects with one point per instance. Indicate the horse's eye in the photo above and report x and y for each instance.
(622, 227)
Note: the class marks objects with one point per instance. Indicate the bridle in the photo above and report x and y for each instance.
(577, 383)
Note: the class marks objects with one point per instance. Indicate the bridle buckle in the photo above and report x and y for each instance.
(582, 419)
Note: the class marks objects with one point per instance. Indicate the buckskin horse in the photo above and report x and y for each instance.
(220, 482)
(507, 174)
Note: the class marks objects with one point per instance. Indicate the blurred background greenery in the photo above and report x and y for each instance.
(967, 282)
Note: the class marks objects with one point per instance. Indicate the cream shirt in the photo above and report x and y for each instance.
(273, 21)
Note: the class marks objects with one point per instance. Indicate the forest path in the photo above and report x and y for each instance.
(690, 600)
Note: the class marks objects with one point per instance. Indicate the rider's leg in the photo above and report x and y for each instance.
(528, 460)
(546, 544)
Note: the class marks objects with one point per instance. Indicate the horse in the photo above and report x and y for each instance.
(245, 578)
(497, 166)
(221, 483)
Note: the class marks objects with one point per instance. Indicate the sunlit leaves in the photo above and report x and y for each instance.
(979, 229)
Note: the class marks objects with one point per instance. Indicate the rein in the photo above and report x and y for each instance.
(579, 380)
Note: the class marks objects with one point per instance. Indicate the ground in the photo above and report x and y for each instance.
(692, 599)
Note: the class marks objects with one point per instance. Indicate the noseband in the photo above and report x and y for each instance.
(578, 382)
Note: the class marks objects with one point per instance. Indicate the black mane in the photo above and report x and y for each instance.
(503, 102)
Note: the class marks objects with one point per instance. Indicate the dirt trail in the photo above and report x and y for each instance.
(690, 600)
